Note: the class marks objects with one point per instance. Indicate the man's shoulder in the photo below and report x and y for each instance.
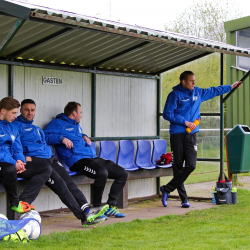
(56, 123)
(17, 123)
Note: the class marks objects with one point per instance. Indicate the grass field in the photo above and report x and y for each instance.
(221, 227)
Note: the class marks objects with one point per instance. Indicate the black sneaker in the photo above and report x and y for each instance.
(164, 196)
(94, 222)
(95, 212)
(185, 204)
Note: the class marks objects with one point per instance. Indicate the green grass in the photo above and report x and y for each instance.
(193, 178)
(221, 227)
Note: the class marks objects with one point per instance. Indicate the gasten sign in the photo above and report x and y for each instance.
(52, 80)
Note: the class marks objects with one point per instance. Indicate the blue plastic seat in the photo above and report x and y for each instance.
(93, 145)
(159, 148)
(143, 155)
(108, 150)
(125, 156)
(59, 158)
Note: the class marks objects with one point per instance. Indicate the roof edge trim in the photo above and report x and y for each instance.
(15, 10)
(171, 40)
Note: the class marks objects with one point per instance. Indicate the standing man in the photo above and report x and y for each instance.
(75, 149)
(39, 157)
(182, 108)
(12, 160)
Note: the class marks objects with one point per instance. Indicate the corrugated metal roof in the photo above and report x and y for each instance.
(58, 36)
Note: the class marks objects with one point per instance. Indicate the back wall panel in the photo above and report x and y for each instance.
(51, 100)
(125, 106)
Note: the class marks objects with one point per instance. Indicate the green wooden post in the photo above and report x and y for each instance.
(11, 34)
(158, 117)
(93, 104)
(221, 118)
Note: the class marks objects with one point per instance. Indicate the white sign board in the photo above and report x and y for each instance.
(52, 80)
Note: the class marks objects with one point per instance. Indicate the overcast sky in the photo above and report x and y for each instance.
(150, 14)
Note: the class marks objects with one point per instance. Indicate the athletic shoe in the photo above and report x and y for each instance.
(185, 204)
(103, 216)
(22, 207)
(113, 211)
(95, 212)
(164, 196)
(98, 220)
(32, 207)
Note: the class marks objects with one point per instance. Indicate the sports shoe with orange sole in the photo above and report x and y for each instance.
(26, 203)
(22, 207)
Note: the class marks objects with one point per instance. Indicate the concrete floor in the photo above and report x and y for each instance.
(142, 210)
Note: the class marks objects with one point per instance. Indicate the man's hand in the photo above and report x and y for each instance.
(85, 138)
(236, 84)
(69, 144)
(28, 158)
(20, 166)
(190, 125)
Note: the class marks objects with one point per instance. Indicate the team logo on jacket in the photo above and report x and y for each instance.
(195, 98)
(28, 129)
(69, 129)
(196, 147)
(80, 130)
(185, 100)
(13, 137)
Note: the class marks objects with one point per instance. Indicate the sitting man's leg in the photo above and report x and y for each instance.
(100, 169)
(37, 173)
(9, 174)
(120, 175)
(62, 184)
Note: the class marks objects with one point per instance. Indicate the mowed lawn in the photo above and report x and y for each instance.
(221, 227)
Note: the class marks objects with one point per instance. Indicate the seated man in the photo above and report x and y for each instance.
(38, 156)
(75, 149)
(12, 160)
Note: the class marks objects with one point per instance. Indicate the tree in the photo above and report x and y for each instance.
(205, 19)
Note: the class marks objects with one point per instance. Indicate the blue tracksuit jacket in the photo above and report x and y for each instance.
(63, 126)
(32, 139)
(10, 146)
(183, 105)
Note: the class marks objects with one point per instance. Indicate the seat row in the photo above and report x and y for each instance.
(125, 158)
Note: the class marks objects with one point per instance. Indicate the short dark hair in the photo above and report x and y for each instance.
(9, 103)
(184, 75)
(70, 107)
(30, 101)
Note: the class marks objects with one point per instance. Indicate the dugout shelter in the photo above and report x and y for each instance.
(113, 69)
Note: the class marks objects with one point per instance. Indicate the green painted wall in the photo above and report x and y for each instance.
(238, 111)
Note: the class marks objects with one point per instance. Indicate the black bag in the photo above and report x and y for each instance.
(222, 191)
(224, 184)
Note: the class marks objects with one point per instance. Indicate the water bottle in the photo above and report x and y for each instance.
(234, 195)
(213, 198)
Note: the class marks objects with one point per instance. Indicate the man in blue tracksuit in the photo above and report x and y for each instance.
(12, 160)
(75, 149)
(39, 158)
(182, 108)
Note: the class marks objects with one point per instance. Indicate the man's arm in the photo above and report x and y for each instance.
(85, 138)
(207, 94)
(170, 107)
(17, 149)
(53, 133)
